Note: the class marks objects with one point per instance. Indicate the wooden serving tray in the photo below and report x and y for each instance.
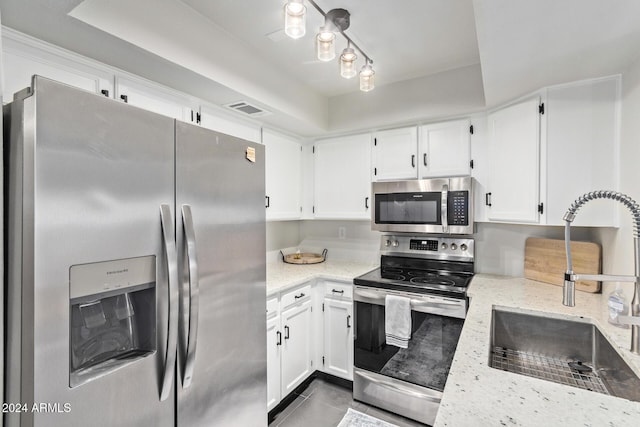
(304, 258)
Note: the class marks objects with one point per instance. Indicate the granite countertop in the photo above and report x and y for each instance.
(477, 395)
(282, 276)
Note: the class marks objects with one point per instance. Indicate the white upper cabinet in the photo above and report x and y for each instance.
(544, 153)
(21, 60)
(214, 119)
(445, 149)
(514, 152)
(394, 154)
(582, 150)
(342, 177)
(283, 176)
(156, 98)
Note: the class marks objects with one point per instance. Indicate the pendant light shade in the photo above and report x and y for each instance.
(348, 63)
(367, 77)
(325, 44)
(294, 19)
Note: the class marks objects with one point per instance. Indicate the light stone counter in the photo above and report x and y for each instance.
(282, 276)
(477, 395)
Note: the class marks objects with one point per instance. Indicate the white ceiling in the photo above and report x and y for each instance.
(406, 40)
(433, 58)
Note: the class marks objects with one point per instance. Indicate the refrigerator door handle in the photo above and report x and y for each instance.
(168, 236)
(194, 289)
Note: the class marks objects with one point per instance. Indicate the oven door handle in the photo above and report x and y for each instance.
(380, 296)
(398, 388)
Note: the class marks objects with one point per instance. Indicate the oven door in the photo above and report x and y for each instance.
(436, 323)
(406, 381)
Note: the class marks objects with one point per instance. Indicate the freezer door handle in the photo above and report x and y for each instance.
(168, 237)
(194, 289)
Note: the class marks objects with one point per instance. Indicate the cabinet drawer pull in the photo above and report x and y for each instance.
(413, 160)
(348, 321)
(268, 201)
(366, 203)
(286, 332)
(279, 334)
(299, 296)
(337, 291)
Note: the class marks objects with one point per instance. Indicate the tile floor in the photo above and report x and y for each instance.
(323, 404)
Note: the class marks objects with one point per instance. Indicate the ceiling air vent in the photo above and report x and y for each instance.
(246, 108)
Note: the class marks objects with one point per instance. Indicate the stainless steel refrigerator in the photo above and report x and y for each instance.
(135, 267)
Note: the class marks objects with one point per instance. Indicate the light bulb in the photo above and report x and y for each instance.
(294, 19)
(367, 78)
(325, 44)
(348, 63)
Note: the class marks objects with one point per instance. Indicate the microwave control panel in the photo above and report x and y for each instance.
(458, 208)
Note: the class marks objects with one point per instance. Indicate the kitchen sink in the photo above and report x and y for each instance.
(570, 352)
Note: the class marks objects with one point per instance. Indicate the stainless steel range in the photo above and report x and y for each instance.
(433, 273)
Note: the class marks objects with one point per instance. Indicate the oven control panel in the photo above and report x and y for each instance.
(423, 245)
(435, 247)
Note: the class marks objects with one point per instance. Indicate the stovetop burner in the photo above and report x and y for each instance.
(432, 280)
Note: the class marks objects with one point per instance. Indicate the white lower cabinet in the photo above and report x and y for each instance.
(338, 338)
(289, 342)
(274, 346)
(296, 361)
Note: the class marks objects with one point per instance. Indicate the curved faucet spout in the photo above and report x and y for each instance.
(568, 289)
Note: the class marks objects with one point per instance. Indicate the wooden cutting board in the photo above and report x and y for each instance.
(545, 260)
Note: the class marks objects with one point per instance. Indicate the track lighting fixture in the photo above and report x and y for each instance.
(335, 21)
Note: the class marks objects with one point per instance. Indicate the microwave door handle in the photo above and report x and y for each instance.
(168, 237)
(194, 290)
(443, 208)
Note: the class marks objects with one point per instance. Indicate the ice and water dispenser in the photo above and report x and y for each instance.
(113, 316)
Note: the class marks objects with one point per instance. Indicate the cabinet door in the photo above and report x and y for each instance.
(582, 149)
(21, 62)
(220, 121)
(394, 154)
(338, 338)
(514, 145)
(283, 176)
(342, 178)
(274, 344)
(296, 346)
(445, 149)
(156, 98)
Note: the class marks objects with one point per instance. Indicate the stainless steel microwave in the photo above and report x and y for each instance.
(439, 205)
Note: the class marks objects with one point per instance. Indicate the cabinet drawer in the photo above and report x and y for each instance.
(295, 296)
(338, 290)
(272, 307)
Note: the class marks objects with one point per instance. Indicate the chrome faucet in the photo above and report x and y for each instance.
(569, 287)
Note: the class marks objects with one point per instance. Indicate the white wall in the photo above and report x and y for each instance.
(618, 244)
(442, 95)
(282, 234)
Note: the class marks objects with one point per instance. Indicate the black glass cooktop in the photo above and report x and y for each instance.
(440, 277)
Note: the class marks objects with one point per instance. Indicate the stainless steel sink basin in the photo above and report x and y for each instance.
(563, 351)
